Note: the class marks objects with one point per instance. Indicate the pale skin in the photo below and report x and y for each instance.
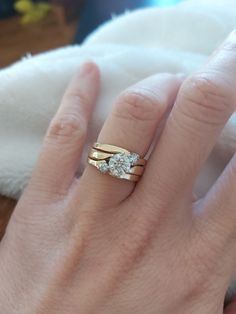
(102, 245)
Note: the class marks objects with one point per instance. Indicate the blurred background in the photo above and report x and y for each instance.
(32, 26)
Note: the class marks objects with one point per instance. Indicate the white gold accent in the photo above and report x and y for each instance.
(119, 164)
(103, 166)
(133, 157)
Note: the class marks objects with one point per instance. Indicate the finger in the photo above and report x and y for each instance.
(63, 144)
(205, 102)
(132, 125)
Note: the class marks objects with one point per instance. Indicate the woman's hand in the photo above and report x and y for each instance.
(103, 245)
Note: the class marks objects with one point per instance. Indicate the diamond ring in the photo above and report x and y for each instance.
(116, 161)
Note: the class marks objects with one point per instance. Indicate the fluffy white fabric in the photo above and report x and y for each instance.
(127, 49)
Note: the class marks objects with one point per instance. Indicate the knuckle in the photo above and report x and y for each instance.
(208, 100)
(67, 127)
(141, 105)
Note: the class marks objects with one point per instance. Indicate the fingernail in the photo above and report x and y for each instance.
(232, 37)
(181, 75)
(87, 68)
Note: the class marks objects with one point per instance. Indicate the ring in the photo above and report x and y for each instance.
(116, 161)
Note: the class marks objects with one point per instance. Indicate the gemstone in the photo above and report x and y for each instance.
(133, 157)
(103, 166)
(119, 164)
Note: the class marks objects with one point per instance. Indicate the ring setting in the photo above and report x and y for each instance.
(116, 161)
(119, 164)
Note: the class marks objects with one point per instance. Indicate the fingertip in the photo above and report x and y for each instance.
(85, 82)
(89, 68)
(88, 78)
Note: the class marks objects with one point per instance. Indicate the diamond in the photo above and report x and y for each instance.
(103, 166)
(133, 157)
(119, 164)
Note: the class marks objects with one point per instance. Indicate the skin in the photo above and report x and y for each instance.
(102, 245)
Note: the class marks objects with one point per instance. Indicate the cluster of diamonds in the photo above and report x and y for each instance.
(119, 164)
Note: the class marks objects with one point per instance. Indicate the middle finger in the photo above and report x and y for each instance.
(205, 102)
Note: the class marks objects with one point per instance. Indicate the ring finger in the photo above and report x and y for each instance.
(131, 125)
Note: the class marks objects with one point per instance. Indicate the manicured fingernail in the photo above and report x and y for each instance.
(231, 37)
(87, 68)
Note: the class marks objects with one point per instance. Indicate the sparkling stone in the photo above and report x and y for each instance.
(119, 164)
(133, 157)
(103, 166)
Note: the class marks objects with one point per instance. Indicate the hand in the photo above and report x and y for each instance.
(102, 245)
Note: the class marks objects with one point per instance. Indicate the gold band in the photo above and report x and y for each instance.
(95, 154)
(110, 148)
(116, 161)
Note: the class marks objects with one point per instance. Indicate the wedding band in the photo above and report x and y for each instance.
(116, 161)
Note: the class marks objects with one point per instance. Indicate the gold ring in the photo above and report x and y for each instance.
(116, 161)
